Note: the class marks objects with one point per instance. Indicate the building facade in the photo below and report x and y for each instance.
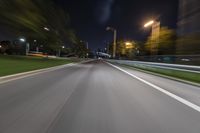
(188, 27)
(189, 17)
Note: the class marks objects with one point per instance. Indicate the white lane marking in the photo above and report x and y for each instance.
(189, 104)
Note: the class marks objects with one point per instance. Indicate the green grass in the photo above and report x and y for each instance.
(187, 76)
(17, 64)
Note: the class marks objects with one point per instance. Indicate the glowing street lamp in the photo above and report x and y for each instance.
(155, 25)
(129, 45)
(27, 45)
(47, 29)
(22, 40)
(150, 23)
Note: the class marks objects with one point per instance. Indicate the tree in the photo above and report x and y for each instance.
(29, 17)
(126, 49)
(5, 47)
(80, 49)
(22, 16)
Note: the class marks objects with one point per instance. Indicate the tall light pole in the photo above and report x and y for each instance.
(114, 39)
(35, 43)
(87, 46)
(27, 45)
(155, 25)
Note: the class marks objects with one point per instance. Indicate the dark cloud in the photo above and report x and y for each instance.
(104, 10)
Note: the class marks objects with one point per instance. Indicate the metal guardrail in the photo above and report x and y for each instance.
(186, 68)
(173, 59)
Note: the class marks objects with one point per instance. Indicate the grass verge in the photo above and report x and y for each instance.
(17, 64)
(186, 76)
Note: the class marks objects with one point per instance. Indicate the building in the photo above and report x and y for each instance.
(188, 31)
(189, 17)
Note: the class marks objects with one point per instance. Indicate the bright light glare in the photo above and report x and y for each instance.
(47, 29)
(149, 24)
(108, 28)
(128, 43)
(0, 46)
(22, 39)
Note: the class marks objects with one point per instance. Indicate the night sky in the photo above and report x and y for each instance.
(90, 18)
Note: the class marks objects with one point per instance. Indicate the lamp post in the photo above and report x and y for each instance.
(155, 25)
(87, 46)
(114, 39)
(27, 45)
(59, 51)
(35, 43)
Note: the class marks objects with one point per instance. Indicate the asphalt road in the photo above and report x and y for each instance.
(96, 98)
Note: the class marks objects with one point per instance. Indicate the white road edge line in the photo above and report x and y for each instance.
(189, 104)
(35, 72)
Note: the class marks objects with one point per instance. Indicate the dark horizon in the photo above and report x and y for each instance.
(90, 18)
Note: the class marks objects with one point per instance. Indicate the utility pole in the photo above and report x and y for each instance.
(115, 43)
(87, 45)
(27, 48)
(114, 40)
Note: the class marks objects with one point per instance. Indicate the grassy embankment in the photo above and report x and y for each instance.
(17, 64)
(182, 75)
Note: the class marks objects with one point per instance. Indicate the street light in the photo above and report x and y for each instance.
(150, 23)
(129, 45)
(60, 50)
(37, 47)
(155, 25)
(27, 45)
(47, 29)
(115, 39)
(22, 40)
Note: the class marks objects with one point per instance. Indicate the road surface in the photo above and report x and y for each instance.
(95, 97)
